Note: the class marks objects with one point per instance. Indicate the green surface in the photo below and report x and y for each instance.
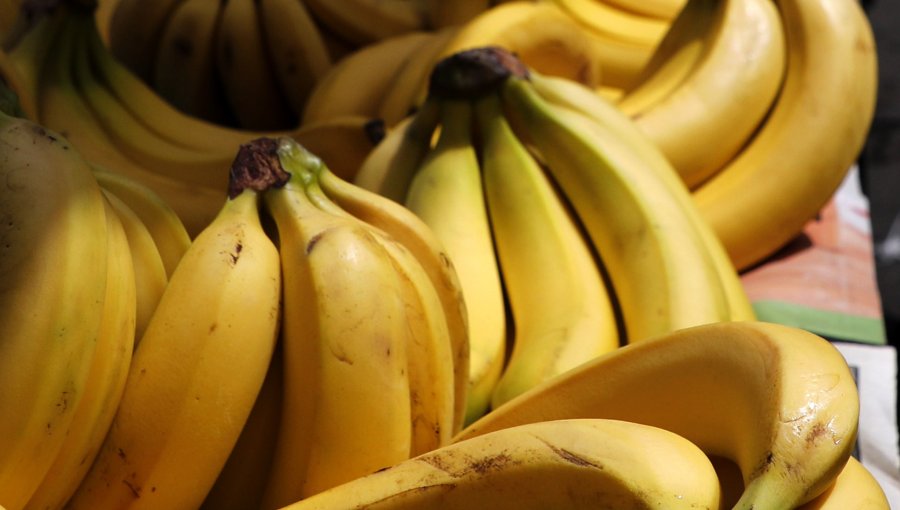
(832, 325)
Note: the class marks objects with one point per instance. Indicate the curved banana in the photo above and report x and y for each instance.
(135, 27)
(854, 487)
(449, 13)
(610, 122)
(389, 167)
(561, 309)
(169, 235)
(340, 91)
(726, 96)
(798, 158)
(572, 464)
(674, 58)
(611, 21)
(541, 34)
(364, 22)
(621, 62)
(149, 271)
(410, 231)
(344, 337)
(662, 9)
(197, 370)
(343, 142)
(778, 401)
(246, 71)
(53, 273)
(184, 69)
(109, 369)
(659, 267)
(295, 45)
(446, 192)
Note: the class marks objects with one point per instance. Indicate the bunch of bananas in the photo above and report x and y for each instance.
(560, 212)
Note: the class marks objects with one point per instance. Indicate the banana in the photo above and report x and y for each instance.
(405, 227)
(299, 55)
(854, 487)
(448, 13)
(831, 67)
(561, 309)
(621, 62)
(103, 13)
(197, 370)
(184, 71)
(109, 368)
(446, 193)
(53, 269)
(778, 401)
(619, 24)
(343, 142)
(135, 27)
(610, 122)
(240, 484)
(410, 83)
(170, 237)
(246, 70)
(726, 96)
(541, 34)
(662, 9)
(364, 22)
(661, 272)
(674, 58)
(149, 271)
(344, 334)
(339, 92)
(572, 464)
(389, 167)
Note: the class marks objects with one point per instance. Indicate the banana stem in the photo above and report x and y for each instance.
(474, 73)
(257, 166)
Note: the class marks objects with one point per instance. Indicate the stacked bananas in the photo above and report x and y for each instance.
(66, 79)
(553, 206)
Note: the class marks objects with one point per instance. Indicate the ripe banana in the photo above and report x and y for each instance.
(799, 156)
(109, 368)
(662, 9)
(197, 370)
(407, 229)
(184, 70)
(854, 487)
(134, 31)
(611, 123)
(572, 464)
(661, 272)
(364, 22)
(53, 273)
(561, 310)
(778, 401)
(726, 96)
(616, 23)
(449, 13)
(446, 193)
(343, 141)
(344, 334)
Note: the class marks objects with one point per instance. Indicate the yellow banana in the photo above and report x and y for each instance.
(246, 70)
(609, 20)
(149, 271)
(134, 31)
(344, 338)
(540, 33)
(674, 58)
(340, 90)
(197, 370)
(343, 142)
(449, 13)
(109, 368)
(446, 192)
(799, 156)
(53, 273)
(572, 464)
(661, 272)
(778, 401)
(389, 167)
(364, 22)
(610, 122)
(726, 96)
(662, 9)
(410, 231)
(854, 487)
(165, 227)
(299, 55)
(621, 62)
(561, 309)
(184, 71)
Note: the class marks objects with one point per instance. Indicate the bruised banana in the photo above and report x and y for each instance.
(561, 309)
(198, 367)
(573, 464)
(778, 401)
